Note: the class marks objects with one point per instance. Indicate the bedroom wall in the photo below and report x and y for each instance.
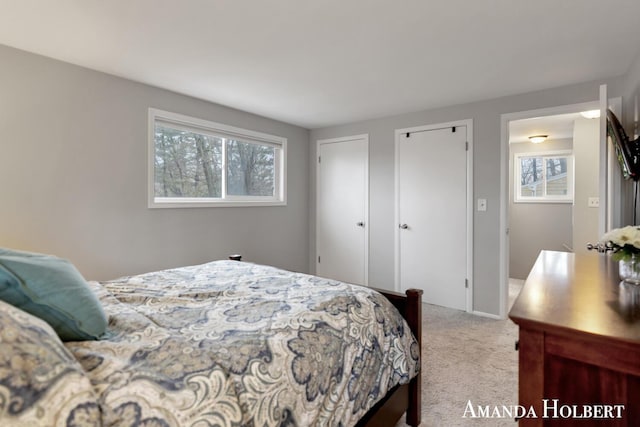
(73, 176)
(536, 226)
(486, 177)
(586, 152)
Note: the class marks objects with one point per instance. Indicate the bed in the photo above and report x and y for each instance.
(225, 343)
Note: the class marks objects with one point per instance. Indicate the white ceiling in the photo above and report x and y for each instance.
(555, 127)
(316, 63)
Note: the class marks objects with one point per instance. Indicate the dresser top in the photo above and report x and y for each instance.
(579, 293)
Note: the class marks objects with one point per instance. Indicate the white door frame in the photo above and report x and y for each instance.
(605, 208)
(469, 249)
(319, 142)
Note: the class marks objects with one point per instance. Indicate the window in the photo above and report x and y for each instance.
(543, 177)
(195, 162)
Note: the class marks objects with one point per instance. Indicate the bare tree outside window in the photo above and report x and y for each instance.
(187, 164)
(198, 163)
(557, 184)
(544, 177)
(531, 175)
(250, 169)
(556, 166)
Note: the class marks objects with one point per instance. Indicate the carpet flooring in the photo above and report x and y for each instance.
(467, 358)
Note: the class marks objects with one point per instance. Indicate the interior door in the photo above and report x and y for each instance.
(613, 188)
(342, 209)
(605, 211)
(432, 214)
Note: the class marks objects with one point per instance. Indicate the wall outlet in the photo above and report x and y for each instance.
(593, 202)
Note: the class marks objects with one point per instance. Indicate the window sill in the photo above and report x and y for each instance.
(171, 204)
(542, 202)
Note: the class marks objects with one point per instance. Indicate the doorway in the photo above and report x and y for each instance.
(553, 190)
(433, 212)
(342, 237)
(607, 200)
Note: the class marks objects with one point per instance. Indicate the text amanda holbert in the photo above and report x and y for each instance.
(551, 408)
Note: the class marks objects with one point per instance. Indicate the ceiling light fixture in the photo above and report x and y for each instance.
(591, 114)
(537, 139)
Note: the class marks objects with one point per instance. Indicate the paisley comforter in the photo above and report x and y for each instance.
(236, 344)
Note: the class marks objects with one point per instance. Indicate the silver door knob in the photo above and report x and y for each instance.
(403, 226)
(360, 224)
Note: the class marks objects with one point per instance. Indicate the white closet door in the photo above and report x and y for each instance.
(432, 214)
(342, 209)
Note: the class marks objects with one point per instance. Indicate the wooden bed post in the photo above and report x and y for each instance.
(414, 319)
(405, 399)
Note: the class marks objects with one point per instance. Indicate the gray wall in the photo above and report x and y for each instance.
(536, 226)
(73, 176)
(586, 151)
(486, 176)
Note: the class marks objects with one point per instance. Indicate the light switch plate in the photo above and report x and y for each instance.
(593, 202)
(482, 205)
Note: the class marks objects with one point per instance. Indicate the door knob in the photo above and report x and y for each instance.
(403, 226)
(360, 224)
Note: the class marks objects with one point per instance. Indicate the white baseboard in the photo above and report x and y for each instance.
(490, 315)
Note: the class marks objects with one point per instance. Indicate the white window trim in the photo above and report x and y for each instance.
(216, 129)
(517, 173)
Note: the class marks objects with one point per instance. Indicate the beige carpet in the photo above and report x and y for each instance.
(467, 358)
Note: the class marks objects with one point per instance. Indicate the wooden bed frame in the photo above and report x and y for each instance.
(406, 398)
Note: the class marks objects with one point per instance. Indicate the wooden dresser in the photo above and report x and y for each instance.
(579, 343)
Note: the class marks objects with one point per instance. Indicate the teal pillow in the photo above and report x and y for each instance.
(52, 289)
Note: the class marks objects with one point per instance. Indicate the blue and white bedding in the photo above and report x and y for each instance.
(234, 344)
